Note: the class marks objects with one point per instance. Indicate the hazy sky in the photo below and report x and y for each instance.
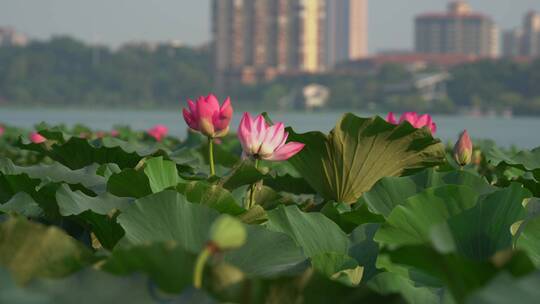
(116, 21)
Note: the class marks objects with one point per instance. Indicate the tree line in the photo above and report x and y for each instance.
(64, 71)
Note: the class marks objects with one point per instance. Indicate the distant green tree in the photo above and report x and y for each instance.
(65, 71)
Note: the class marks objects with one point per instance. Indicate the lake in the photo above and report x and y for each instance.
(523, 132)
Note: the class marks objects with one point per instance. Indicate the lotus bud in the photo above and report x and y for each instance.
(463, 149)
(227, 233)
(206, 116)
(36, 138)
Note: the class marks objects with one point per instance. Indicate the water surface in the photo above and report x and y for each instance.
(523, 132)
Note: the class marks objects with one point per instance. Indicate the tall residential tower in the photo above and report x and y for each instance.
(256, 40)
(457, 31)
(346, 30)
(531, 34)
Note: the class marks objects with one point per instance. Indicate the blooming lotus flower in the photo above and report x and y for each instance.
(463, 149)
(417, 121)
(261, 141)
(2, 130)
(115, 133)
(158, 132)
(207, 117)
(36, 138)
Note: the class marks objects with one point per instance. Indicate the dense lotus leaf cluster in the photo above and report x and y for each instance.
(373, 212)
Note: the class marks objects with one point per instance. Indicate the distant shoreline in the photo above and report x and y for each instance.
(100, 108)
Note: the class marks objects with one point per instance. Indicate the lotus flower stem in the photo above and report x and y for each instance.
(199, 267)
(211, 156)
(251, 201)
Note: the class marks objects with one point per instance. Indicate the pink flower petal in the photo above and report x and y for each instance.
(286, 151)
(223, 117)
(36, 138)
(244, 131)
(411, 117)
(433, 128)
(272, 139)
(391, 118)
(192, 123)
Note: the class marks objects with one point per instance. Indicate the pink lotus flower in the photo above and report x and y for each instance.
(36, 138)
(463, 149)
(261, 141)
(115, 133)
(2, 130)
(158, 132)
(207, 117)
(417, 121)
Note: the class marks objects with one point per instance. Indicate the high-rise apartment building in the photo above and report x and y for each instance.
(524, 41)
(258, 39)
(9, 37)
(531, 35)
(512, 43)
(457, 31)
(346, 31)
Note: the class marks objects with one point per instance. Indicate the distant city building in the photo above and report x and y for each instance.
(457, 31)
(256, 40)
(512, 44)
(531, 35)
(524, 41)
(346, 31)
(9, 37)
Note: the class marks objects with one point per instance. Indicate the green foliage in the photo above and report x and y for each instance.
(358, 152)
(63, 70)
(369, 213)
(32, 250)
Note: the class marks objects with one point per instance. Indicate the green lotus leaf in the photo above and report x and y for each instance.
(168, 264)
(22, 203)
(390, 192)
(97, 212)
(75, 202)
(461, 275)
(529, 239)
(483, 230)
(77, 153)
(162, 174)
(31, 250)
(211, 195)
(57, 173)
(129, 183)
(411, 222)
(506, 289)
(525, 160)
(314, 232)
(267, 254)
(387, 283)
(96, 286)
(168, 216)
(360, 151)
(338, 267)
